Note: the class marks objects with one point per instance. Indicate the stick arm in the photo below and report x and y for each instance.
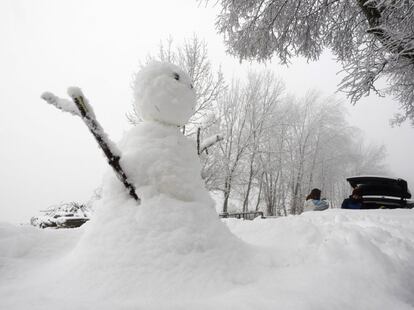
(60, 103)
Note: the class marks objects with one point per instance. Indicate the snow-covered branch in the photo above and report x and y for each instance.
(209, 142)
(60, 103)
(371, 38)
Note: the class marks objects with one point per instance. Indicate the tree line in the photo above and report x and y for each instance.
(276, 147)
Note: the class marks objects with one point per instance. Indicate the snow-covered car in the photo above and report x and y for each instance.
(382, 192)
(64, 215)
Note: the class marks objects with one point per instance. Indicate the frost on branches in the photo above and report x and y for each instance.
(371, 38)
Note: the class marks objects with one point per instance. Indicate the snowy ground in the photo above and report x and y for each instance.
(337, 259)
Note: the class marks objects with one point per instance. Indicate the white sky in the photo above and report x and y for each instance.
(48, 156)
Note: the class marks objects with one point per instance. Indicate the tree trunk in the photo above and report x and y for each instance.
(315, 154)
(296, 189)
(249, 185)
(227, 189)
(394, 45)
(260, 192)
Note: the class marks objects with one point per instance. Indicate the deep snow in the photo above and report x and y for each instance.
(173, 252)
(335, 259)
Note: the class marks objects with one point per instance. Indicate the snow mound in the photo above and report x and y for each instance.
(163, 92)
(339, 259)
(170, 239)
(336, 259)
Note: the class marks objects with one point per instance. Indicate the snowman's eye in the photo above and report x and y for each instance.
(176, 76)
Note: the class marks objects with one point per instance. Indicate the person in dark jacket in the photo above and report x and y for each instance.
(354, 201)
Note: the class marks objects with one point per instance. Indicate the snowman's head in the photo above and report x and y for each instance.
(163, 92)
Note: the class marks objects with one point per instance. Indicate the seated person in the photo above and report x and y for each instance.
(314, 202)
(354, 201)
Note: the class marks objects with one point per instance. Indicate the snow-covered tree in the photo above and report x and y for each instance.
(243, 116)
(263, 94)
(277, 148)
(371, 38)
(233, 119)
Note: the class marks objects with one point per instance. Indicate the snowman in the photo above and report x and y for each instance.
(159, 160)
(171, 243)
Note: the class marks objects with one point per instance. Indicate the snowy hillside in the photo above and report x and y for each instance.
(335, 259)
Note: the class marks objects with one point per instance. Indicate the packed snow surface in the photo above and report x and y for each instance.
(336, 259)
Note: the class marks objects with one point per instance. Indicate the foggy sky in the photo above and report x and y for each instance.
(49, 157)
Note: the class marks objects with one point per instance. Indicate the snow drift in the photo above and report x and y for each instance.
(337, 259)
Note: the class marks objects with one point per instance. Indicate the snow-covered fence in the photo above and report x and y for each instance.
(243, 215)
